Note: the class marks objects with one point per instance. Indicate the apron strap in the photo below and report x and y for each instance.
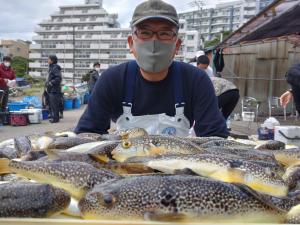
(178, 84)
(129, 84)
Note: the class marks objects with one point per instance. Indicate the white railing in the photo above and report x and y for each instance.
(34, 55)
(35, 46)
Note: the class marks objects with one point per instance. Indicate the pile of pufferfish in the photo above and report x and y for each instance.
(131, 175)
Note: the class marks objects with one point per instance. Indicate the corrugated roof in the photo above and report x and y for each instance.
(278, 19)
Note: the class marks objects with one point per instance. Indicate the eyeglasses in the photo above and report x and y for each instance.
(164, 35)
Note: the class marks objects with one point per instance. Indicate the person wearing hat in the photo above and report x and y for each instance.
(94, 75)
(7, 80)
(153, 91)
(53, 88)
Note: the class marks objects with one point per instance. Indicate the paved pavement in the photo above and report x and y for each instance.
(71, 118)
(69, 122)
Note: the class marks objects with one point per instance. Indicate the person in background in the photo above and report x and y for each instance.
(293, 79)
(7, 80)
(94, 75)
(153, 91)
(203, 63)
(53, 88)
(227, 93)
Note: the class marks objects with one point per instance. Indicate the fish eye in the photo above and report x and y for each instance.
(126, 144)
(108, 199)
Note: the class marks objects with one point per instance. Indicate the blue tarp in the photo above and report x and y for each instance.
(33, 101)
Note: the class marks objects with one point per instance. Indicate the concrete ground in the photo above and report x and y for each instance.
(69, 122)
(71, 118)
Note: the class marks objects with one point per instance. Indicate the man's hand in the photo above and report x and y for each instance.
(285, 98)
(49, 84)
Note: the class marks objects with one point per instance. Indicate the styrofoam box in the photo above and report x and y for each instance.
(35, 115)
(287, 134)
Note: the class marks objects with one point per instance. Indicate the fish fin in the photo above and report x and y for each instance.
(52, 154)
(4, 166)
(102, 158)
(266, 199)
(155, 151)
(164, 216)
(185, 171)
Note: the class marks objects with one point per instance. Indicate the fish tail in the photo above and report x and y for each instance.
(4, 166)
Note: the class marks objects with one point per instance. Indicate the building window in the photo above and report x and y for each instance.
(190, 37)
(190, 49)
(82, 19)
(93, 18)
(80, 27)
(84, 11)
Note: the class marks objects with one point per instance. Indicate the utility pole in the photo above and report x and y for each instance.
(73, 26)
(199, 4)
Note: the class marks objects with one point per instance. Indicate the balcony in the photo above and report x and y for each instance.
(64, 56)
(66, 65)
(35, 46)
(35, 74)
(38, 38)
(94, 56)
(67, 75)
(64, 46)
(35, 65)
(100, 46)
(35, 55)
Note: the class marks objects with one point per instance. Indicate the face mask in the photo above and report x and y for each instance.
(97, 69)
(7, 64)
(154, 56)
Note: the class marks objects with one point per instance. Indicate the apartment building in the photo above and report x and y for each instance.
(15, 48)
(224, 17)
(83, 34)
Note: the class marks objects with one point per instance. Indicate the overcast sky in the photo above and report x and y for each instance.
(19, 18)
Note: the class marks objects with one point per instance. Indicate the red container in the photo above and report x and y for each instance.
(18, 119)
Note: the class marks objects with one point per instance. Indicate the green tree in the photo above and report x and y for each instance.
(20, 66)
(216, 40)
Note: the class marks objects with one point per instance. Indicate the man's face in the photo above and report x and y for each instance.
(147, 31)
(49, 61)
(202, 66)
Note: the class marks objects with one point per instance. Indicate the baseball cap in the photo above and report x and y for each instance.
(154, 9)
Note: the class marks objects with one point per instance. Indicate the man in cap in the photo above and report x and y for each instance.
(53, 88)
(154, 92)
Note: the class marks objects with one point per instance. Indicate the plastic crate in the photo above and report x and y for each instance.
(17, 106)
(18, 119)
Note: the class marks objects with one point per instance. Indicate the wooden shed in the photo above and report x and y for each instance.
(259, 53)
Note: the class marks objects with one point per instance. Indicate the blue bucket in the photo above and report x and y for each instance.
(77, 103)
(45, 113)
(68, 104)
